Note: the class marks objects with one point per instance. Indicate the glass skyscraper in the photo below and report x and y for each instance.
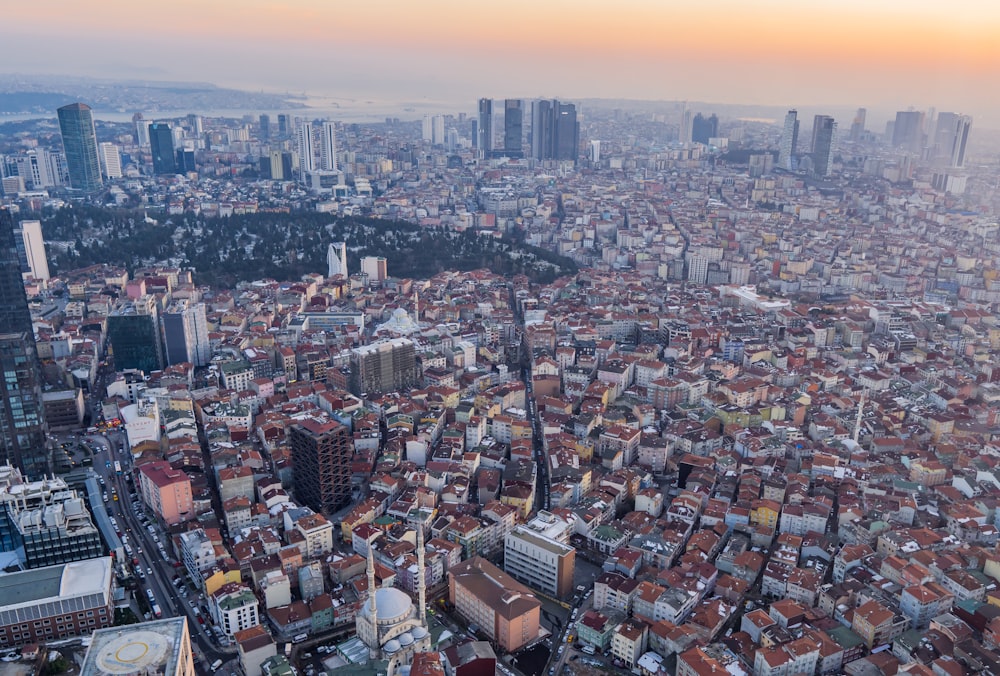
(161, 145)
(76, 124)
(22, 420)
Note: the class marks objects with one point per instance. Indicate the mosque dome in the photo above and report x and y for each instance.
(392, 604)
(405, 639)
(391, 646)
(418, 632)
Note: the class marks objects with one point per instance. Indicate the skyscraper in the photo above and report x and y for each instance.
(161, 144)
(336, 259)
(908, 131)
(185, 333)
(541, 130)
(486, 131)
(824, 130)
(321, 463)
(111, 160)
(704, 128)
(76, 124)
(134, 335)
(31, 249)
(437, 130)
(789, 140)
(265, 127)
(141, 130)
(283, 125)
(328, 147)
(950, 138)
(684, 134)
(567, 131)
(513, 127)
(858, 125)
(306, 161)
(22, 418)
(427, 129)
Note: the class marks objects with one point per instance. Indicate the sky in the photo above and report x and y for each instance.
(889, 54)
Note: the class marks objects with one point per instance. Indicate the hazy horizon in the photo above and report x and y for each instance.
(887, 55)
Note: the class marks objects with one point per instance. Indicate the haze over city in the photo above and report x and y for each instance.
(883, 55)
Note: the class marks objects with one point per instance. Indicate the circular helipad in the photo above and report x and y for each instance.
(135, 651)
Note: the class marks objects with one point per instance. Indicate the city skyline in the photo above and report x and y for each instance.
(882, 55)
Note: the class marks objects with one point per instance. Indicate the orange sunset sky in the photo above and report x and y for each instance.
(887, 54)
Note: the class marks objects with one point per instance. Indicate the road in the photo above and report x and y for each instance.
(172, 603)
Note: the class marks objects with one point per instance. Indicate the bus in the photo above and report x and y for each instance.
(118, 468)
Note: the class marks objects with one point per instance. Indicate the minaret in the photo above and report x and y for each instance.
(422, 582)
(371, 585)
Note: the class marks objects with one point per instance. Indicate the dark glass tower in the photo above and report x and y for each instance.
(704, 128)
(161, 143)
(513, 125)
(484, 141)
(567, 131)
(22, 420)
(76, 124)
(541, 130)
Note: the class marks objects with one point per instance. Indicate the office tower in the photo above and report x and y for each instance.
(451, 139)
(36, 170)
(184, 160)
(195, 124)
(141, 130)
(566, 139)
(265, 127)
(437, 130)
(328, 147)
(275, 166)
(485, 130)
(22, 420)
(185, 333)
(908, 131)
(306, 161)
(951, 136)
(858, 125)
(76, 124)
(283, 126)
(375, 268)
(704, 128)
(541, 130)
(161, 144)
(427, 129)
(684, 134)
(134, 335)
(824, 130)
(789, 140)
(31, 250)
(111, 160)
(336, 259)
(595, 152)
(387, 366)
(513, 128)
(321, 462)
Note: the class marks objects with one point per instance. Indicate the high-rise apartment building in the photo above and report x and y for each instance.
(486, 130)
(951, 136)
(185, 333)
(427, 129)
(513, 128)
(385, 366)
(31, 250)
(704, 128)
(321, 462)
(824, 131)
(789, 140)
(908, 131)
(134, 335)
(307, 162)
(161, 145)
(76, 124)
(111, 160)
(437, 130)
(375, 267)
(328, 147)
(22, 419)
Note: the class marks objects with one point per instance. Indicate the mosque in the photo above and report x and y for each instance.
(388, 623)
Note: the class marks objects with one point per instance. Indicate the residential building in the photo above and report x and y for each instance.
(540, 562)
(502, 608)
(321, 453)
(167, 491)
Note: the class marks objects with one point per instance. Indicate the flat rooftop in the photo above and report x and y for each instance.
(144, 648)
(79, 578)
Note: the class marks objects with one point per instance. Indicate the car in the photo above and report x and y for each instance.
(149, 571)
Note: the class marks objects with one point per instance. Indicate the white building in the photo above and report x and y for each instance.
(111, 159)
(306, 160)
(328, 147)
(34, 250)
(185, 333)
(234, 608)
(539, 562)
(336, 259)
(375, 268)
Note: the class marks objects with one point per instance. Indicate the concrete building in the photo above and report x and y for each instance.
(56, 602)
(31, 249)
(321, 452)
(157, 647)
(234, 608)
(167, 491)
(385, 366)
(185, 333)
(503, 608)
(540, 562)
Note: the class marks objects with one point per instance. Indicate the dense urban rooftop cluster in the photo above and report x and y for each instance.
(763, 416)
